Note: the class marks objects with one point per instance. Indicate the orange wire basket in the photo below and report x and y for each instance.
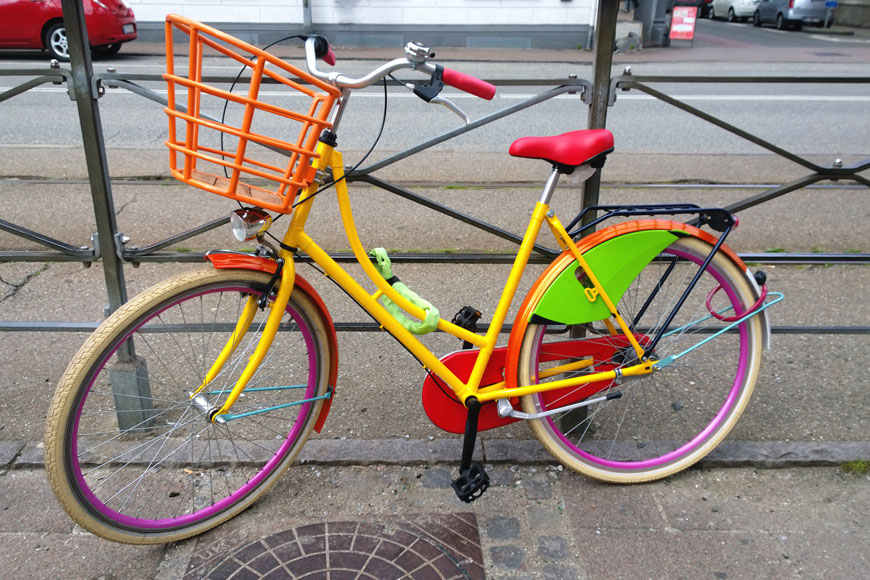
(234, 156)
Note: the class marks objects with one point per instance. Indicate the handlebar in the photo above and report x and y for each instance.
(415, 59)
(468, 83)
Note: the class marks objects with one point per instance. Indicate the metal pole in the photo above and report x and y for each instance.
(605, 34)
(84, 91)
(306, 16)
(129, 375)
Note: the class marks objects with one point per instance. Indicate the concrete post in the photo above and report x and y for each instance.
(651, 13)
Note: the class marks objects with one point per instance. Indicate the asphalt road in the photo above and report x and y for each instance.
(833, 119)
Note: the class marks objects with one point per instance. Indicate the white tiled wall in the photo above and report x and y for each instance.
(434, 12)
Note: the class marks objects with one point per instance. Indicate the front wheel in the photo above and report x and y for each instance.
(756, 19)
(133, 459)
(56, 42)
(665, 421)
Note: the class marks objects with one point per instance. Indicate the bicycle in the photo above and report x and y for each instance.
(632, 356)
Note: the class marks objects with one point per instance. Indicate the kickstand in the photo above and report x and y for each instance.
(472, 480)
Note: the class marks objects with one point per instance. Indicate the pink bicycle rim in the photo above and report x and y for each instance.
(168, 523)
(711, 427)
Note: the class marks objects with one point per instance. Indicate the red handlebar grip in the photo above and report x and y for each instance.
(329, 57)
(469, 84)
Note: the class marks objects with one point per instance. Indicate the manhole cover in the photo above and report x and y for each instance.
(419, 547)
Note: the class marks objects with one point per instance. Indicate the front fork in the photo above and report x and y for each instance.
(277, 309)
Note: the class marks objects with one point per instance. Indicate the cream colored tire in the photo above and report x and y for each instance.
(132, 459)
(663, 422)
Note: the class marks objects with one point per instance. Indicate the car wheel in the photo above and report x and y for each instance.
(106, 50)
(780, 22)
(56, 42)
(731, 16)
(756, 19)
(710, 14)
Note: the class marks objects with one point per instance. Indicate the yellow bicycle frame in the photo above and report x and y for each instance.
(297, 238)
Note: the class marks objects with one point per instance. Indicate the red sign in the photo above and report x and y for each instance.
(683, 22)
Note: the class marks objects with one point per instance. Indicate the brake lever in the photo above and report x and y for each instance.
(453, 107)
(430, 93)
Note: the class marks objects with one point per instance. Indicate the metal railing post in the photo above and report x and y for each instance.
(129, 374)
(605, 35)
(85, 92)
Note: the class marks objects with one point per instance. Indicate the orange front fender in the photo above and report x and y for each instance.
(235, 261)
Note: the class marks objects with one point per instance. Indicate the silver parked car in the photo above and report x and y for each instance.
(792, 13)
(732, 10)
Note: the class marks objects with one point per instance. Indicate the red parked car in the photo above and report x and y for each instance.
(39, 24)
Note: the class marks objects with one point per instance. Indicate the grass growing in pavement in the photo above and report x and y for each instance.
(858, 467)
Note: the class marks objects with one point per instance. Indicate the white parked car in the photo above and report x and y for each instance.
(733, 10)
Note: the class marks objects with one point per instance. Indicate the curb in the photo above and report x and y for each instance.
(346, 452)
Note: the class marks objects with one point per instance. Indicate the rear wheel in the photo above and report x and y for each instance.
(133, 459)
(665, 421)
(106, 50)
(731, 16)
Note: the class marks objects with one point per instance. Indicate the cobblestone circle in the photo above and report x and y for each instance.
(437, 547)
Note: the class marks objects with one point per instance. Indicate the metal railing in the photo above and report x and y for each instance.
(112, 247)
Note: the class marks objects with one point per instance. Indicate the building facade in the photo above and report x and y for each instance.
(471, 23)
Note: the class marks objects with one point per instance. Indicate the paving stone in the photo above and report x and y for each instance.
(436, 477)
(554, 547)
(503, 528)
(383, 451)
(28, 505)
(31, 457)
(507, 556)
(516, 451)
(560, 572)
(537, 486)
(8, 451)
(50, 555)
(545, 518)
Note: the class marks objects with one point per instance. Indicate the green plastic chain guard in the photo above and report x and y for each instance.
(615, 262)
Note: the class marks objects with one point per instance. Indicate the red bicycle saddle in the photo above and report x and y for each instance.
(571, 149)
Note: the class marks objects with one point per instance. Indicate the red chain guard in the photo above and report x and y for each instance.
(446, 412)
(440, 402)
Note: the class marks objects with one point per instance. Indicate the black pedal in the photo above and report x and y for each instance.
(471, 483)
(467, 318)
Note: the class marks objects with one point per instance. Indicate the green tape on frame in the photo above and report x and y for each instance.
(616, 263)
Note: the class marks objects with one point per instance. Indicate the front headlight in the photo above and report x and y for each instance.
(249, 222)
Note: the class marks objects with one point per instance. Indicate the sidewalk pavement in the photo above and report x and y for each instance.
(771, 502)
(704, 48)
